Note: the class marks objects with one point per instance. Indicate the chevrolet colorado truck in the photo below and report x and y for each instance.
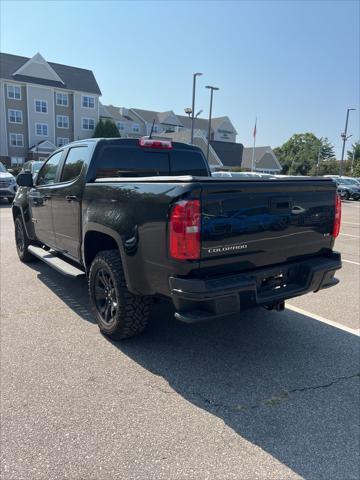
(145, 218)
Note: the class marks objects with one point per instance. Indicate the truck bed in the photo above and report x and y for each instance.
(246, 223)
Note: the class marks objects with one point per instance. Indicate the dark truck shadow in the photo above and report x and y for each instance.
(283, 381)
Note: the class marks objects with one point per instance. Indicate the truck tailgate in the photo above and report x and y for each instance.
(248, 224)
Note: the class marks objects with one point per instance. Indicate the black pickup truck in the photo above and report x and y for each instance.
(144, 218)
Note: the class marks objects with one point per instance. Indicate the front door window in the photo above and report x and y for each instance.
(48, 173)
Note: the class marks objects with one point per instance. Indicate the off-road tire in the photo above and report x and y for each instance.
(22, 242)
(132, 311)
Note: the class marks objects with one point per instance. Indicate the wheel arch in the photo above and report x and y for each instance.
(18, 211)
(97, 238)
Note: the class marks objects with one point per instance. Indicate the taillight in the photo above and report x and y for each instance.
(337, 217)
(184, 226)
(150, 143)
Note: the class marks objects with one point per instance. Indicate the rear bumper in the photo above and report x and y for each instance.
(199, 300)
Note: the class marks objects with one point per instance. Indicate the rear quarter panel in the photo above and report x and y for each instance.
(136, 214)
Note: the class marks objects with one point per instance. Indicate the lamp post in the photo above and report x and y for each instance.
(210, 112)
(188, 111)
(193, 106)
(345, 138)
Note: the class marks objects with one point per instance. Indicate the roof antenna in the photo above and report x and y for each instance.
(152, 128)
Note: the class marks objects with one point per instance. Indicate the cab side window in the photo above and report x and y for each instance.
(74, 162)
(47, 174)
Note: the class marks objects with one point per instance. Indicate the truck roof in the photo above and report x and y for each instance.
(129, 141)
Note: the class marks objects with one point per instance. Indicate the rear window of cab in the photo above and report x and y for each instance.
(133, 161)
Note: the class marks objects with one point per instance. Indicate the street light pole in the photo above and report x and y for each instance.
(193, 106)
(344, 137)
(210, 112)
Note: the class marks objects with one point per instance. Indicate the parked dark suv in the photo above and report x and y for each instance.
(32, 166)
(348, 188)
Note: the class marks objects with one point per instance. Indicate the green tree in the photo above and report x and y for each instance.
(299, 155)
(99, 129)
(356, 172)
(326, 167)
(106, 129)
(353, 159)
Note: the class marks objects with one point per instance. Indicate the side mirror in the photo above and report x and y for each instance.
(25, 180)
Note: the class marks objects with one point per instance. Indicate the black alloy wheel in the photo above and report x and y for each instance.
(22, 242)
(19, 236)
(119, 313)
(105, 296)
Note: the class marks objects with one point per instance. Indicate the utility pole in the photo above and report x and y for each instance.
(210, 112)
(345, 138)
(193, 106)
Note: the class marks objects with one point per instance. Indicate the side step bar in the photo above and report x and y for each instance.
(55, 262)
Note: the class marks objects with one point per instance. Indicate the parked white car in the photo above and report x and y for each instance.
(7, 184)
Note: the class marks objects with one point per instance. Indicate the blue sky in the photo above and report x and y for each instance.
(293, 64)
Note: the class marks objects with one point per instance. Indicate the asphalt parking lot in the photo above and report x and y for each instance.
(268, 396)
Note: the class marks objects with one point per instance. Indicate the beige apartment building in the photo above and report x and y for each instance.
(43, 105)
(136, 122)
(139, 121)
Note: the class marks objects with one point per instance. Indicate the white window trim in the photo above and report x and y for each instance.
(68, 121)
(82, 101)
(41, 134)
(14, 86)
(19, 161)
(40, 100)
(87, 129)
(61, 104)
(14, 110)
(67, 140)
(16, 134)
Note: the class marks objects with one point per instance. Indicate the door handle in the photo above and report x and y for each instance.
(71, 198)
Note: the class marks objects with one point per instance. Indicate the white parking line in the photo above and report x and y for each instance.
(350, 261)
(350, 223)
(324, 320)
(347, 235)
